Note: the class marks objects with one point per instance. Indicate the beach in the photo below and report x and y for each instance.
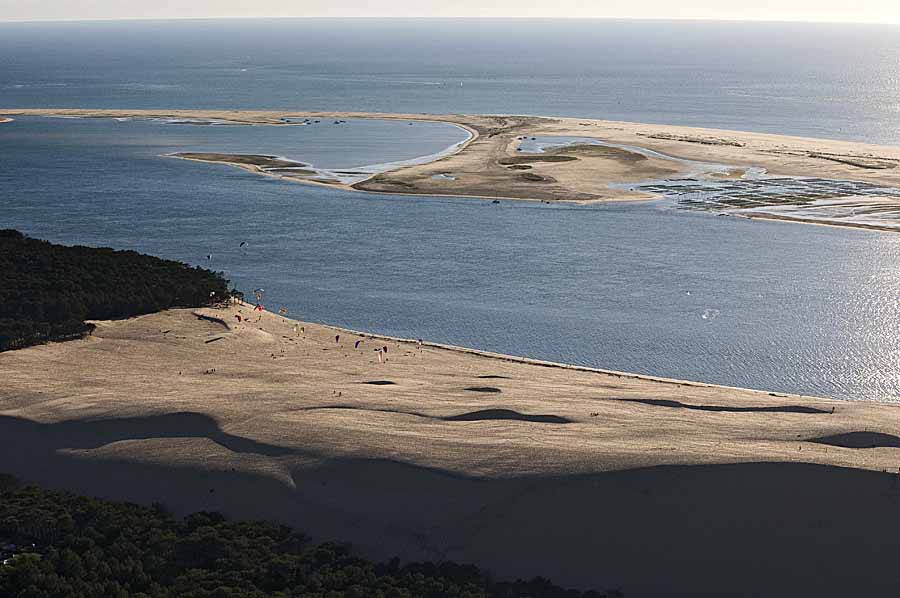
(596, 479)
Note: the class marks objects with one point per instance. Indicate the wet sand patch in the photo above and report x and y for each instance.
(802, 199)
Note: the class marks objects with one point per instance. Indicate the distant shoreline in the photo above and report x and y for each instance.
(490, 164)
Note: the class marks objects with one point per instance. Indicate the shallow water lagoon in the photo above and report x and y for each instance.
(356, 144)
(634, 287)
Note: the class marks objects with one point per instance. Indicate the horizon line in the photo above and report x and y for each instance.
(452, 18)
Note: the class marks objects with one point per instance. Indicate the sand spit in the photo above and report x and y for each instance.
(616, 166)
(659, 487)
(481, 168)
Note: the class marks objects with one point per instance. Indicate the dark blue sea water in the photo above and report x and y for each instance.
(825, 80)
(637, 287)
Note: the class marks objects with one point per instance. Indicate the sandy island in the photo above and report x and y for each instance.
(489, 165)
(658, 487)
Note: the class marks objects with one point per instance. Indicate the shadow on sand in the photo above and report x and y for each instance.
(91, 434)
(727, 409)
(860, 440)
(506, 414)
(473, 416)
(752, 529)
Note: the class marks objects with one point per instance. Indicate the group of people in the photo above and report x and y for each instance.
(298, 329)
(381, 351)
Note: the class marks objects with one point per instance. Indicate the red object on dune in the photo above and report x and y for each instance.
(259, 307)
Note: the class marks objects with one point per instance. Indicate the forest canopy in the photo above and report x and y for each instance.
(47, 291)
(67, 546)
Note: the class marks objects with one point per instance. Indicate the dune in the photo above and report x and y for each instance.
(597, 479)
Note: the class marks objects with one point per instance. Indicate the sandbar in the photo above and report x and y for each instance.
(491, 165)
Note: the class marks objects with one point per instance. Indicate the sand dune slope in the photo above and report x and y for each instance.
(660, 488)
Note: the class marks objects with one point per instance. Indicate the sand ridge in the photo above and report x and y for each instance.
(438, 452)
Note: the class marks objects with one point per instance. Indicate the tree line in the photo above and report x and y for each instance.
(48, 291)
(91, 548)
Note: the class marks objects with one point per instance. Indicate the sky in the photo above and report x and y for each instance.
(868, 11)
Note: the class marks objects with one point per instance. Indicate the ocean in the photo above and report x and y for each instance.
(819, 80)
(636, 287)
